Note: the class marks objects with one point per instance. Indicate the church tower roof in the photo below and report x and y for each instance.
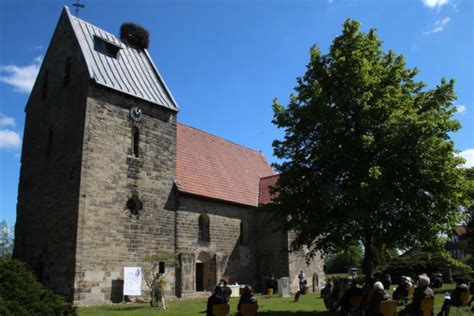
(117, 65)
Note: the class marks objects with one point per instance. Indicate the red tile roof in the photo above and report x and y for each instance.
(209, 166)
(265, 196)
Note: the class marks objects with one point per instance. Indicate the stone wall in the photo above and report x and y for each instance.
(48, 193)
(272, 250)
(109, 236)
(228, 257)
(314, 269)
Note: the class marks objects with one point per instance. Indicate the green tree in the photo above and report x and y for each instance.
(467, 241)
(22, 294)
(156, 281)
(366, 155)
(341, 261)
(6, 240)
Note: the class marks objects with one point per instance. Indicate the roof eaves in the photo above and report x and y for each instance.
(167, 90)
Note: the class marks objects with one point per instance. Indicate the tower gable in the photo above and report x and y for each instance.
(119, 66)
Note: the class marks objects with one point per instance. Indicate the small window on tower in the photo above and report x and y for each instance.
(106, 47)
(44, 87)
(67, 72)
(136, 141)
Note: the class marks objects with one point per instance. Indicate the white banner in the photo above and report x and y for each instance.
(132, 277)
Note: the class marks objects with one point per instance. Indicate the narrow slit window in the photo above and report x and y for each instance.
(44, 87)
(203, 224)
(67, 72)
(136, 141)
(161, 267)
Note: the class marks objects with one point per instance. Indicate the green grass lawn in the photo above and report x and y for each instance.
(308, 305)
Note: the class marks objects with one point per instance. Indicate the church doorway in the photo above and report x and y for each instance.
(199, 277)
(205, 274)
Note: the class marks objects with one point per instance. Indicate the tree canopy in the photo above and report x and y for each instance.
(366, 155)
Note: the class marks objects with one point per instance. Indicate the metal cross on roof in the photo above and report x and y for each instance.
(78, 7)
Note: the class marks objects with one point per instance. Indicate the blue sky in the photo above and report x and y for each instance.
(225, 60)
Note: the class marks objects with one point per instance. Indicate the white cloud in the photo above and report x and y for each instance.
(439, 25)
(21, 78)
(6, 121)
(468, 154)
(432, 4)
(9, 139)
(460, 108)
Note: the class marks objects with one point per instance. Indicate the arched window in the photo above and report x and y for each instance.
(67, 72)
(136, 141)
(203, 227)
(44, 87)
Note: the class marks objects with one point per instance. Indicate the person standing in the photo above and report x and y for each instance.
(301, 278)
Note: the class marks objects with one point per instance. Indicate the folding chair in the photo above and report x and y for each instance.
(248, 309)
(464, 300)
(356, 303)
(220, 310)
(427, 306)
(388, 308)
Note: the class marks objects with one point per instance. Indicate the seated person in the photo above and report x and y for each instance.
(387, 282)
(454, 299)
(401, 292)
(247, 297)
(345, 302)
(379, 295)
(215, 299)
(226, 290)
(326, 292)
(422, 291)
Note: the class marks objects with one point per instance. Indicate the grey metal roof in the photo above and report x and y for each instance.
(132, 72)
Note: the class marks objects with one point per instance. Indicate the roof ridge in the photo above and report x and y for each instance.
(226, 140)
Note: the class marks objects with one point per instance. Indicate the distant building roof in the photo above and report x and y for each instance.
(209, 166)
(132, 71)
(266, 183)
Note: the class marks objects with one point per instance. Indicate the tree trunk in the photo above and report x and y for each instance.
(367, 264)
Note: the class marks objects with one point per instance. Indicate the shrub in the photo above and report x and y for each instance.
(418, 262)
(135, 35)
(22, 294)
(360, 277)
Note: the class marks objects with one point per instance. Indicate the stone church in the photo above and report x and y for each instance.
(109, 176)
